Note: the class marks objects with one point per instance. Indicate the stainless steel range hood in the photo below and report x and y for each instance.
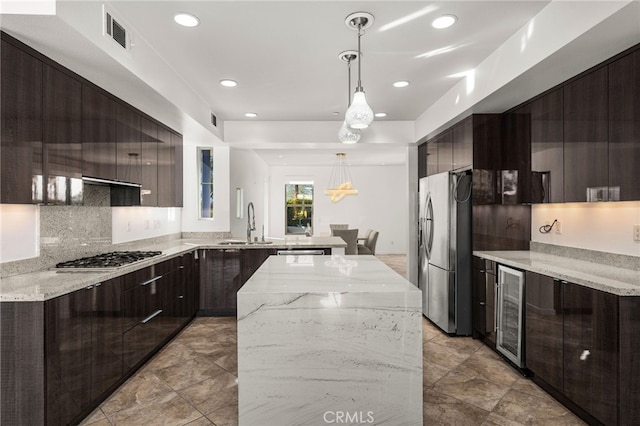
(121, 193)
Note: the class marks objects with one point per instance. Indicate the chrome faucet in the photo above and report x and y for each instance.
(251, 221)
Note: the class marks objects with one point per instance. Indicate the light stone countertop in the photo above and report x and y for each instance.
(48, 284)
(610, 279)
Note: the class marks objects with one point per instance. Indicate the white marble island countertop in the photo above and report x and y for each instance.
(610, 279)
(322, 338)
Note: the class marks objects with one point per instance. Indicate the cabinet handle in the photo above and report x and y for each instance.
(151, 280)
(181, 267)
(483, 304)
(231, 251)
(89, 287)
(152, 316)
(180, 297)
(482, 271)
(585, 354)
(98, 285)
(564, 282)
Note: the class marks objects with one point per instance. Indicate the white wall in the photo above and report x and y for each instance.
(250, 173)
(19, 232)
(603, 227)
(382, 202)
(137, 223)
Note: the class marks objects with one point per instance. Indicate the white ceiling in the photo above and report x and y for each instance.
(284, 55)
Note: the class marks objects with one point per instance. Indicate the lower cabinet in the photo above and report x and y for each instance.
(223, 272)
(61, 357)
(573, 345)
(483, 300)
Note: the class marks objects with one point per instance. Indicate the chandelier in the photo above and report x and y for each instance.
(340, 184)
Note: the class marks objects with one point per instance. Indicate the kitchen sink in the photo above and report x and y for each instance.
(243, 243)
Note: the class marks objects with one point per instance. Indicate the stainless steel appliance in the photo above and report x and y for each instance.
(105, 261)
(510, 321)
(445, 250)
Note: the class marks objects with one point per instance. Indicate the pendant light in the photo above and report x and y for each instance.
(346, 134)
(340, 184)
(359, 115)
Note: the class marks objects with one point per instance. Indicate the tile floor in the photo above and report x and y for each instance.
(192, 381)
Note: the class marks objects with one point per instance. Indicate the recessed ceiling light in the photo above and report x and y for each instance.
(186, 19)
(401, 84)
(228, 83)
(445, 21)
(380, 114)
(251, 114)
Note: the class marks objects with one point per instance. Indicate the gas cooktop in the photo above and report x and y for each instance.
(105, 261)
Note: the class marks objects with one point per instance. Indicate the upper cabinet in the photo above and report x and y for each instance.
(58, 127)
(463, 144)
(62, 137)
(21, 127)
(586, 134)
(444, 143)
(98, 133)
(624, 127)
(547, 148)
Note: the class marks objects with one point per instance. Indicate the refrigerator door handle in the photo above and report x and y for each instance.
(428, 237)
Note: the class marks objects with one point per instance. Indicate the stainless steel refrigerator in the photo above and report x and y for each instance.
(445, 250)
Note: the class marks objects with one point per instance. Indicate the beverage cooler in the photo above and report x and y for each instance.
(510, 315)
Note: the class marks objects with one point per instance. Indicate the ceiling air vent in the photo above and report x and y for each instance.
(115, 30)
(214, 120)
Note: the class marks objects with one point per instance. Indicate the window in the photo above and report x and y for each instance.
(299, 208)
(205, 177)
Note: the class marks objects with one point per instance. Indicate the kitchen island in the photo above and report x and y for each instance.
(329, 340)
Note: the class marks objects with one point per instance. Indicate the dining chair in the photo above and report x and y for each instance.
(334, 226)
(350, 236)
(369, 246)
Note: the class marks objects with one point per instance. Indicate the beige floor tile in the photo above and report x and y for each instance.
(189, 373)
(528, 409)
(465, 385)
(170, 410)
(212, 394)
(441, 409)
(143, 388)
(443, 356)
(225, 416)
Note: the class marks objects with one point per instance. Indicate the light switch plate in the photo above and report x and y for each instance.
(636, 232)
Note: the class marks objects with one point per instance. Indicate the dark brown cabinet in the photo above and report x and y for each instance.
(21, 126)
(149, 162)
(128, 145)
(62, 137)
(432, 157)
(82, 350)
(590, 331)
(547, 148)
(544, 344)
(98, 133)
(586, 135)
(483, 300)
(422, 160)
(463, 144)
(176, 149)
(624, 127)
(166, 161)
(223, 272)
(572, 344)
(444, 143)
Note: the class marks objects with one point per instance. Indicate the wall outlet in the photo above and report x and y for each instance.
(636, 232)
(558, 227)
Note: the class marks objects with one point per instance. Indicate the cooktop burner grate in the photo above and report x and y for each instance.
(107, 260)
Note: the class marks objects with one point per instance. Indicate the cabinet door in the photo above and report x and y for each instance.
(21, 127)
(463, 144)
(484, 285)
(591, 350)
(128, 146)
(166, 184)
(62, 105)
(544, 322)
(514, 177)
(586, 124)
(176, 149)
(624, 128)
(547, 154)
(221, 278)
(252, 259)
(106, 333)
(149, 162)
(432, 157)
(422, 160)
(68, 355)
(445, 151)
(98, 134)
(629, 360)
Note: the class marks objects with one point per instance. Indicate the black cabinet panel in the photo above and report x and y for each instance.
(629, 391)
(149, 162)
(547, 148)
(62, 136)
(591, 350)
(98, 134)
(422, 160)
(21, 127)
(624, 128)
(432, 157)
(166, 184)
(463, 144)
(221, 272)
(128, 147)
(586, 138)
(176, 149)
(445, 151)
(544, 329)
(483, 299)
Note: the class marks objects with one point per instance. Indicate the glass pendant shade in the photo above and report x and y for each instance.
(347, 134)
(359, 115)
